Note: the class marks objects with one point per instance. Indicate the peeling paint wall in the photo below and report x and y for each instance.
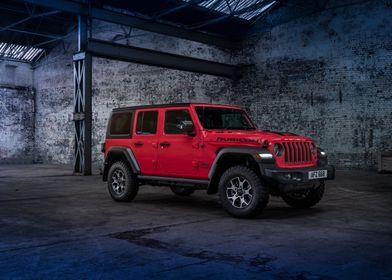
(328, 76)
(16, 113)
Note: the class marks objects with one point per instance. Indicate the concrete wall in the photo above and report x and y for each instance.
(16, 113)
(328, 76)
(115, 84)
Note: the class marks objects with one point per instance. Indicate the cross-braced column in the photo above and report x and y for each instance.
(82, 64)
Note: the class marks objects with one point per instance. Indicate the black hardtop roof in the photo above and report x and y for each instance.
(131, 108)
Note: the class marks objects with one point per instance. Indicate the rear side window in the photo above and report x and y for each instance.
(147, 122)
(120, 123)
(173, 120)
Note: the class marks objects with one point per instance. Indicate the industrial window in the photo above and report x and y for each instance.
(147, 122)
(174, 120)
(244, 9)
(120, 124)
(20, 52)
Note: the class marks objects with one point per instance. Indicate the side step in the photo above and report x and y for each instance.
(173, 181)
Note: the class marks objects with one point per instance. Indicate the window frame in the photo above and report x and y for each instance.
(249, 119)
(136, 119)
(117, 136)
(176, 109)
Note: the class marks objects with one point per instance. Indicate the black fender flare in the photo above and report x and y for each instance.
(254, 152)
(124, 152)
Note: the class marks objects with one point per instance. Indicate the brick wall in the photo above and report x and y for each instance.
(328, 76)
(16, 112)
(16, 124)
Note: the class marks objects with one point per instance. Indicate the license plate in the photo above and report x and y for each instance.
(318, 174)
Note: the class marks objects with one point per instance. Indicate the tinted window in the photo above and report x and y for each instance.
(147, 122)
(120, 124)
(174, 119)
(223, 118)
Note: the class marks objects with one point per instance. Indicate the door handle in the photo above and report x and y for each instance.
(164, 144)
(138, 144)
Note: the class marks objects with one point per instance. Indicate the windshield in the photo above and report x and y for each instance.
(223, 118)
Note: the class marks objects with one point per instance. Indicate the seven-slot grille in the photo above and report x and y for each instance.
(297, 152)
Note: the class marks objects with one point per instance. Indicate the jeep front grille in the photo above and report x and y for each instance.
(297, 152)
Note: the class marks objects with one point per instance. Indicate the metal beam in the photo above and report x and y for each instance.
(157, 58)
(52, 36)
(137, 22)
(177, 8)
(28, 18)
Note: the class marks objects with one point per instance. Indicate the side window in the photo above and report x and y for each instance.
(147, 122)
(120, 123)
(174, 120)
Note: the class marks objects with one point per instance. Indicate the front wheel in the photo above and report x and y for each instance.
(122, 185)
(304, 198)
(242, 193)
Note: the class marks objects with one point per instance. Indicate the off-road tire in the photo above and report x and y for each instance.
(182, 191)
(306, 198)
(126, 183)
(259, 192)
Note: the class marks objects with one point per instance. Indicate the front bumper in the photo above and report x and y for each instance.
(297, 176)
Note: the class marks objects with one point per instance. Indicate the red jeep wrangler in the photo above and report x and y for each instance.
(213, 147)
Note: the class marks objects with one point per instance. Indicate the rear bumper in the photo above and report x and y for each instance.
(297, 176)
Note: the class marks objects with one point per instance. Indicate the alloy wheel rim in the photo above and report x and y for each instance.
(118, 181)
(239, 192)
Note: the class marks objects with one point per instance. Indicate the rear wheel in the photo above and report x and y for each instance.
(305, 198)
(182, 191)
(242, 193)
(122, 185)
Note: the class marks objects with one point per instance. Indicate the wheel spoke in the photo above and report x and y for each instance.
(118, 181)
(239, 192)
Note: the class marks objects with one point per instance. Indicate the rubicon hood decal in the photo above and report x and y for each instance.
(237, 139)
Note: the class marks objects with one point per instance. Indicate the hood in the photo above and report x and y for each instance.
(251, 137)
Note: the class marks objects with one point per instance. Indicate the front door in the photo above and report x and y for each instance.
(178, 152)
(144, 142)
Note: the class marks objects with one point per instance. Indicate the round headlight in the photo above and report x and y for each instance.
(278, 149)
(321, 153)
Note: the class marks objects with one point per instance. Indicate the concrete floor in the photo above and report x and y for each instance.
(55, 225)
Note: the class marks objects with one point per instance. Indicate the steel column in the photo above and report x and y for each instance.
(82, 64)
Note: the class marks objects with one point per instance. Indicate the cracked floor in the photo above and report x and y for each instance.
(57, 226)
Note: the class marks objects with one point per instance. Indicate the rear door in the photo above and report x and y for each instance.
(178, 152)
(144, 142)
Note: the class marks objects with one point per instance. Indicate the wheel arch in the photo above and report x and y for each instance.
(118, 153)
(228, 157)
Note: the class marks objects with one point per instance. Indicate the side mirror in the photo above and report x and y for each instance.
(187, 127)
